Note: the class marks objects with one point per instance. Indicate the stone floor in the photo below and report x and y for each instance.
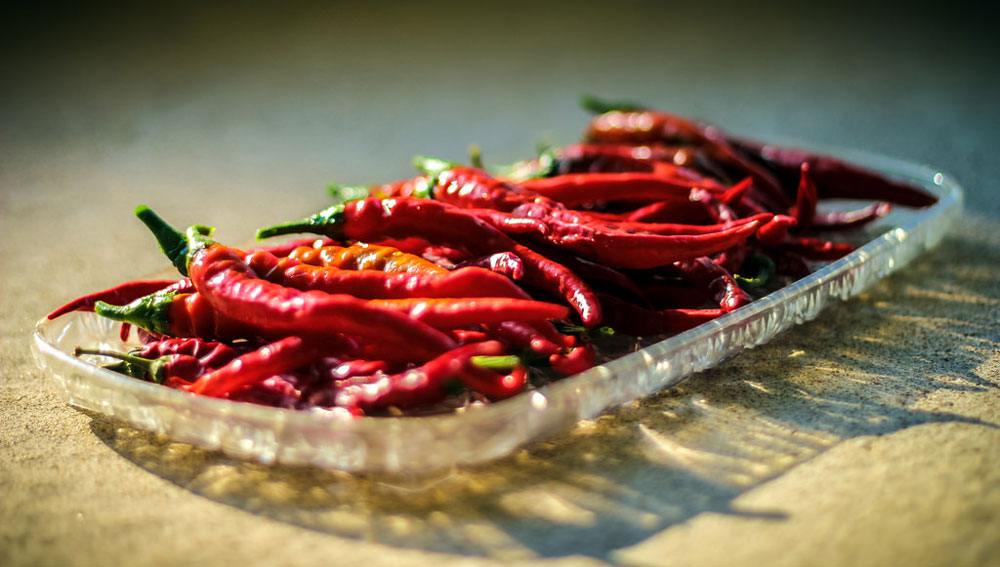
(867, 437)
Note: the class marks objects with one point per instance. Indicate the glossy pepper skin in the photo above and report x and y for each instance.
(374, 284)
(421, 385)
(362, 256)
(373, 218)
(574, 190)
(253, 367)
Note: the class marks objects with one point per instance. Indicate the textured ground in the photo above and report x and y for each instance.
(869, 436)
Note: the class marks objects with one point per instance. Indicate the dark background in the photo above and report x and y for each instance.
(238, 116)
(238, 100)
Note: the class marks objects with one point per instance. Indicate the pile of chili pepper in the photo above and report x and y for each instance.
(466, 284)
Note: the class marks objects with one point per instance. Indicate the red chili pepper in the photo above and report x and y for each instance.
(673, 229)
(806, 198)
(540, 337)
(122, 293)
(816, 248)
(462, 311)
(846, 220)
(726, 291)
(420, 385)
(650, 127)
(371, 219)
(643, 251)
(836, 179)
(211, 354)
(280, 356)
(637, 321)
(575, 361)
(231, 287)
(371, 284)
(471, 188)
(579, 189)
(775, 231)
(503, 263)
(493, 385)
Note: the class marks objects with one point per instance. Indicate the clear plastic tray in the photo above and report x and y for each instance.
(478, 434)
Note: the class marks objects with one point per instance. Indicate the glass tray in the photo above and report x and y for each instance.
(478, 434)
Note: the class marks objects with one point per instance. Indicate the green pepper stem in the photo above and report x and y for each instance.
(131, 365)
(476, 156)
(328, 222)
(129, 358)
(151, 312)
(344, 193)
(171, 240)
(432, 166)
(501, 362)
(596, 105)
(765, 269)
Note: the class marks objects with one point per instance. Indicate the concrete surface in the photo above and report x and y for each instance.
(867, 437)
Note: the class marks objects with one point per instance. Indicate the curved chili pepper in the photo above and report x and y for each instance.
(504, 263)
(836, 179)
(371, 284)
(669, 212)
(493, 385)
(846, 220)
(816, 248)
(726, 291)
(642, 251)
(650, 127)
(575, 361)
(775, 230)
(673, 229)
(462, 311)
(371, 219)
(540, 336)
(471, 188)
(582, 188)
(212, 354)
(424, 384)
(122, 293)
(277, 357)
